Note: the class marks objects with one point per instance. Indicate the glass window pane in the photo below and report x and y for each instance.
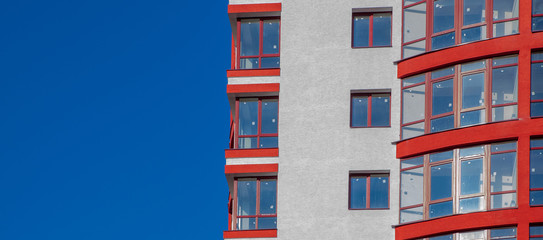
(476, 235)
(473, 66)
(504, 113)
(270, 62)
(358, 192)
(536, 230)
(413, 104)
(443, 41)
(503, 200)
(246, 197)
(414, 49)
(411, 187)
(441, 182)
(536, 168)
(473, 90)
(536, 142)
(361, 31)
(443, 72)
(414, 23)
(536, 56)
(536, 198)
(269, 115)
(442, 97)
(443, 15)
(270, 41)
(504, 9)
(407, 2)
(441, 156)
(248, 63)
(248, 116)
(498, 61)
(380, 110)
(268, 142)
(247, 142)
(472, 118)
(444, 237)
(499, 147)
(471, 179)
(474, 11)
(537, 81)
(536, 109)
(473, 34)
(268, 195)
(504, 85)
(359, 113)
(267, 223)
(442, 124)
(503, 172)
(382, 29)
(537, 8)
(505, 28)
(441, 209)
(413, 80)
(379, 192)
(410, 215)
(246, 223)
(471, 205)
(537, 24)
(472, 151)
(412, 162)
(249, 37)
(503, 232)
(413, 130)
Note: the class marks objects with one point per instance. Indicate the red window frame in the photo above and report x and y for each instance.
(369, 110)
(259, 134)
(235, 216)
(458, 23)
(368, 177)
(370, 30)
(260, 44)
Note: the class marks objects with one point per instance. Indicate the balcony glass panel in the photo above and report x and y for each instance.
(413, 49)
(270, 62)
(471, 179)
(413, 104)
(505, 9)
(269, 115)
(443, 41)
(474, 11)
(471, 205)
(268, 197)
(442, 97)
(249, 37)
(246, 197)
(411, 191)
(443, 15)
(472, 118)
(442, 124)
(413, 130)
(267, 223)
(503, 175)
(440, 209)
(441, 182)
(473, 89)
(473, 34)
(270, 41)
(505, 28)
(503, 200)
(414, 23)
(411, 214)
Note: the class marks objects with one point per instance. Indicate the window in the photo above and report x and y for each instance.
(537, 15)
(258, 41)
(370, 110)
(536, 105)
(487, 92)
(257, 122)
(368, 191)
(536, 232)
(372, 29)
(536, 172)
(449, 27)
(494, 233)
(256, 206)
(459, 181)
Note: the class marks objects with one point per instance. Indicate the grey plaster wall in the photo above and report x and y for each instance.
(317, 148)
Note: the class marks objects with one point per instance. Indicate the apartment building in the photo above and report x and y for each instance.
(405, 119)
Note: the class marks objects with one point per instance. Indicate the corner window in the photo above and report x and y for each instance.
(370, 110)
(256, 203)
(368, 191)
(372, 30)
(536, 172)
(537, 15)
(257, 121)
(258, 43)
(536, 106)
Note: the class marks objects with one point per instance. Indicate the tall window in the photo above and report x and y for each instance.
(257, 122)
(449, 26)
(256, 206)
(370, 110)
(536, 172)
(486, 92)
(368, 191)
(537, 15)
(459, 181)
(537, 85)
(258, 41)
(372, 29)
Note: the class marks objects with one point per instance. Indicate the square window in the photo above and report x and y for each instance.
(368, 191)
(256, 122)
(256, 203)
(372, 30)
(258, 43)
(370, 110)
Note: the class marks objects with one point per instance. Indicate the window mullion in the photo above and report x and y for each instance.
(488, 90)
(428, 102)
(426, 184)
(368, 185)
(259, 122)
(369, 110)
(258, 181)
(235, 205)
(236, 125)
(486, 176)
(457, 172)
(238, 47)
(489, 10)
(456, 96)
(260, 43)
(370, 29)
(429, 24)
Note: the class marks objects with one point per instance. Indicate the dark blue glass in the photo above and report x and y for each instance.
(536, 169)
(443, 72)
(537, 7)
(498, 147)
(443, 15)
(380, 110)
(503, 232)
(537, 24)
(443, 41)
(442, 97)
(503, 168)
(269, 115)
(358, 192)
(412, 162)
(270, 36)
(270, 62)
(413, 80)
(472, 66)
(473, 87)
(361, 31)
(536, 230)
(359, 111)
(474, 11)
(472, 118)
(379, 192)
(473, 34)
(537, 81)
(249, 37)
(441, 209)
(382, 29)
(442, 124)
(246, 197)
(268, 196)
(536, 198)
(471, 180)
(441, 182)
(248, 116)
(444, 237)
(499, 61)
(536, 143)
(436, 157)
(504, 85)
(268, 142)
(536, 109)
(267, 223)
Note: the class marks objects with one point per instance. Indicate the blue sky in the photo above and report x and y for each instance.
(113, 119)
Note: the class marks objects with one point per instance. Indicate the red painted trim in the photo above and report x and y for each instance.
(251, 168)
(249, 8)
(252, 88)
(255, 152)
(250, 234)
(253, 72)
